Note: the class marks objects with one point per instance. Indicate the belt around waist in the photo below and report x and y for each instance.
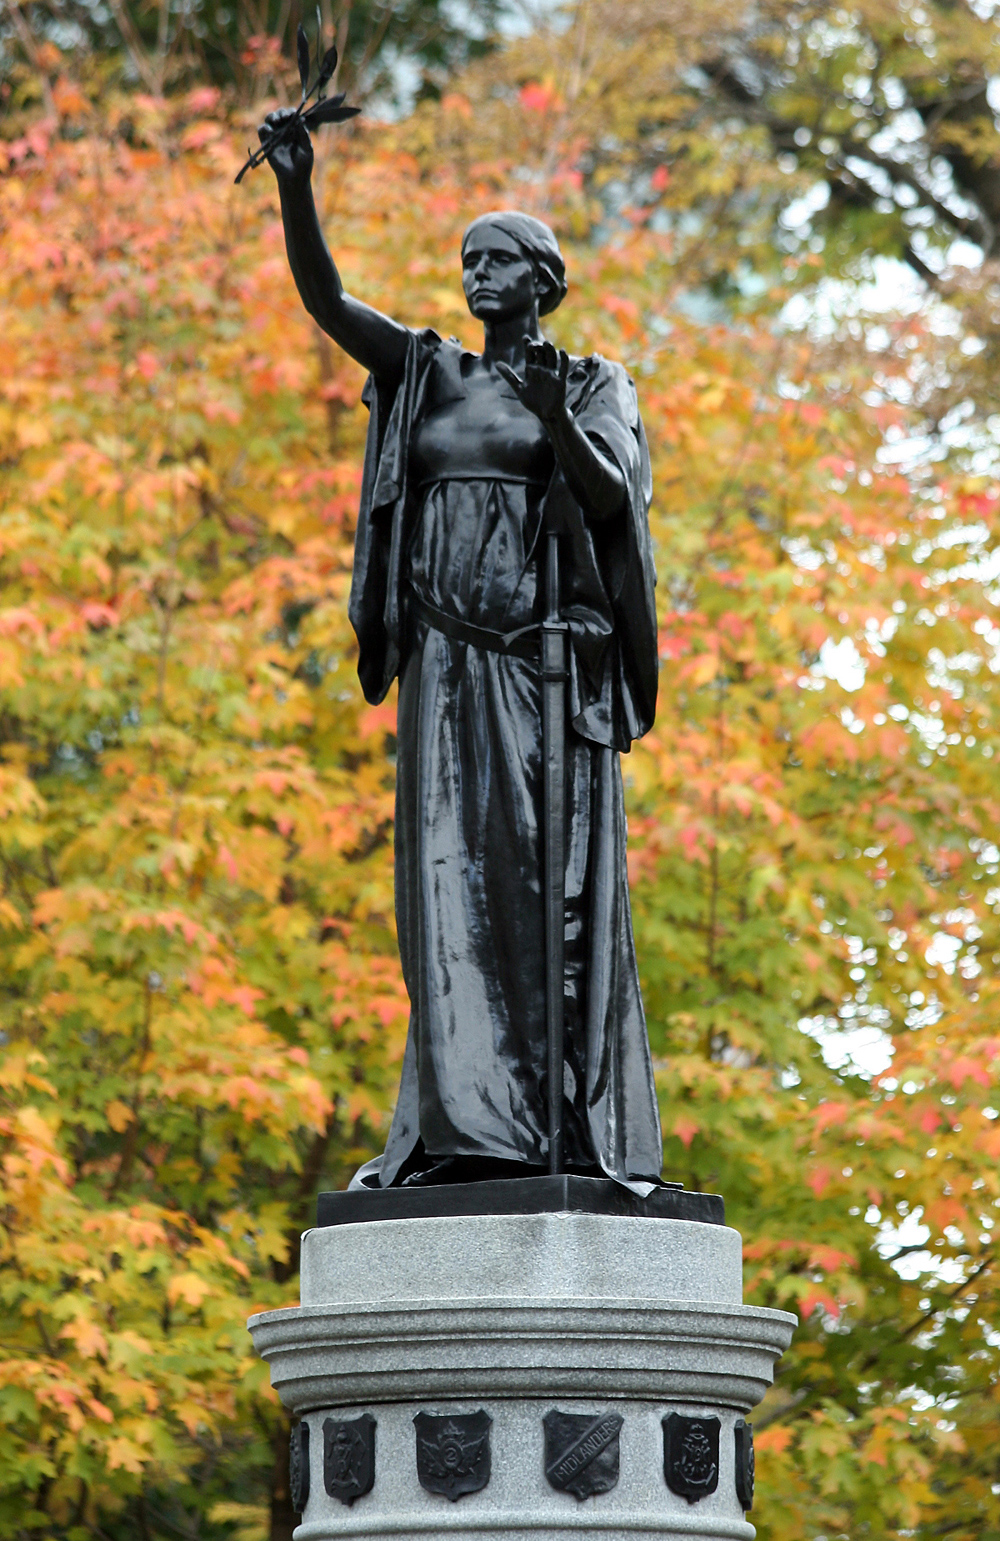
(481, 476)
(522, 643)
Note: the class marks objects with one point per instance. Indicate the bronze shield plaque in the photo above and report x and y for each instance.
(349, 1457)
(298, 1467)
(453, 1452)
(744, 1463)
(581, 1452)
(691, 1455)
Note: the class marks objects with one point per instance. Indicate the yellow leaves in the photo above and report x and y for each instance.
(20, 1069)
(68, 905)
(881, 1443)
(285, 519)
(118, 1115)
(447, 302)
(124, 1454)
(189, 1289)
(700, 670)
(712, 399)
(198, 812)
(252, 1522)
(33, 1151)
(32, 432)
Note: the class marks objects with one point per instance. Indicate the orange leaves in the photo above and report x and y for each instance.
(774, 1439)
(701, 669)
(196, 805)
(89, 1340)
(625, 312)
(377, 720)
(828, 1259)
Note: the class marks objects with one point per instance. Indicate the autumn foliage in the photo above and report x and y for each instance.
(202, 1012)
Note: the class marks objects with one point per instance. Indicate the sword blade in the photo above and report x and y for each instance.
(554, 659)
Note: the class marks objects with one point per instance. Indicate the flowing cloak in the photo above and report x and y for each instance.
(468, 802)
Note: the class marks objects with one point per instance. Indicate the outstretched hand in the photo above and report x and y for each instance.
(292, 159)
(543, 389)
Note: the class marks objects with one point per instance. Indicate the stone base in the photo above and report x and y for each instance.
(604, 1317)
(567, 1194)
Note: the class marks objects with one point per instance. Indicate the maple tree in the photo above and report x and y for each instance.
(202, 1011)
(410, 48)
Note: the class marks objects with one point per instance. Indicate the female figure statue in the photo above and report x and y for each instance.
(468, 455)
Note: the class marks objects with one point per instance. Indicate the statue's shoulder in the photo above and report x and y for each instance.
(595, 382)
(446, 381)
(424, 348)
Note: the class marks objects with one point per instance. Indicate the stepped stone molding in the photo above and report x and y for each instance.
(517, 1316)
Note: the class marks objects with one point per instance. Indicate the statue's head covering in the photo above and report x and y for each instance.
(538, 244)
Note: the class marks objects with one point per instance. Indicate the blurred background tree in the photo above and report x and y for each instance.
(389, 52)
(780, 219)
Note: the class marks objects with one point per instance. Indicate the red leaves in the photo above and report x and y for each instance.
(830, 1113)
(540, 97)
(819, 1179)
(930, 1120)
(196, 807)
(814, 1296)
(963, 1068)
(685, 1129)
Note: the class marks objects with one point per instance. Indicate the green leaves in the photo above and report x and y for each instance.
(202, 1017)
(202, 1007)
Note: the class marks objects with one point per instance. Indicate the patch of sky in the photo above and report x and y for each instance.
(864, 1050)
(701, 307)
(515, 18)
(842, 663)
(895, 1239)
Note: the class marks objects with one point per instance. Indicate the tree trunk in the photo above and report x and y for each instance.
(283, 1517)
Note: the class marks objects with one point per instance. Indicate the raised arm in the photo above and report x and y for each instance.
(376, 341)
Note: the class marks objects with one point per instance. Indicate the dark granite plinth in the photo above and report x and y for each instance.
(518, 1196)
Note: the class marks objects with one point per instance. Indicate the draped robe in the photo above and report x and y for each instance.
(469, 813)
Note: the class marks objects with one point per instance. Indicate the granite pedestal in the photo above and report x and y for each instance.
(570, 1373)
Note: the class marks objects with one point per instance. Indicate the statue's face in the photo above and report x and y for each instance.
(500, 282)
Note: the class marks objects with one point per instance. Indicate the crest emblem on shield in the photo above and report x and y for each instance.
(691, 1455)
(298, 1467)
(582, 1452)
(349, 1457)
(744, 1464)
(453, 1452)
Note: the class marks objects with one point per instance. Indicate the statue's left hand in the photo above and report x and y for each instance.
(543, 389)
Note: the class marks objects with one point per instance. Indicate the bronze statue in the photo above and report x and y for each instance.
(471, 460)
